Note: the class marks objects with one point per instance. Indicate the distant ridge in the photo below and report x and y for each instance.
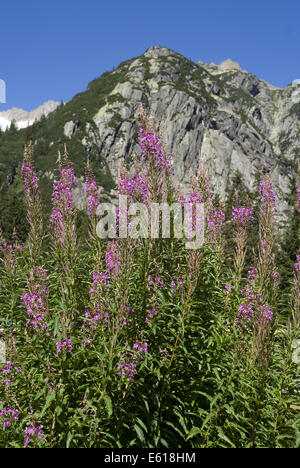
(23, 118)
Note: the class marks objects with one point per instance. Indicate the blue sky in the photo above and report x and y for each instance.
(52, 49)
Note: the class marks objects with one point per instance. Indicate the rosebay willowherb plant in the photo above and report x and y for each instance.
(141, 342)
(34, 210)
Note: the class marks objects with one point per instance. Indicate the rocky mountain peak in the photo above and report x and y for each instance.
(228, 65)
(158, 51)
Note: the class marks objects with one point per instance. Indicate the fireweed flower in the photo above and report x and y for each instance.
(192, 201)
(201, 184)
(93, 200)
(62, 219)
(97, 304)
(29, 177)
(276, 278)
(216, 223)
(127, 366)
(267, 194)
(138, 244)
(151, 314)
(32, 196)
(173, 284)
(297, 265)
(153, 160)
(112, 259)
(92, 319)
(92, 196)
(154, 284)
(6, 383)
(253, 311)
(99, 310)
(128, 312)
(28, 174)
(151, 149)
(35, 300)
(180, 286)
(100, 280)
(177, 287)
(129, 360)
(86, 342)
(298, 198)
(10, 254)
(142, 347)
(66, 343)
(8, 371)
(228, 288)
(62, 200)
(268, 273)
(63, 226)
(35, 432)
(252, 275)
(241, 215)
(8, 416)
(137, 188)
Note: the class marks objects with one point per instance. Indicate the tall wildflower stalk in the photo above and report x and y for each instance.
(35, 296)
(34, 211)
(241, 216)
(93, 199)
(10, 260)
(62, 221)
(10, 254)
(269, 276)
(93, 203)
(296, 295)
(158, 165)
(35, 300)
(256, 310)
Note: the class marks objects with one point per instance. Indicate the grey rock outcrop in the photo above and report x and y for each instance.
(70, 128)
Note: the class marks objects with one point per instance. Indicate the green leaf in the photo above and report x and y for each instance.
(50, 397)
(108, 404)
(58, 410)
(69, 439)
(142, 424)
(224, 437)
(139, 433)
(193, 432)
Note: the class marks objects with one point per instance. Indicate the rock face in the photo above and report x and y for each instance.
(227, 117)
(70, 128)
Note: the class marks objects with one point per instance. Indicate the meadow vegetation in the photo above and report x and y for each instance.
(143, 343)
